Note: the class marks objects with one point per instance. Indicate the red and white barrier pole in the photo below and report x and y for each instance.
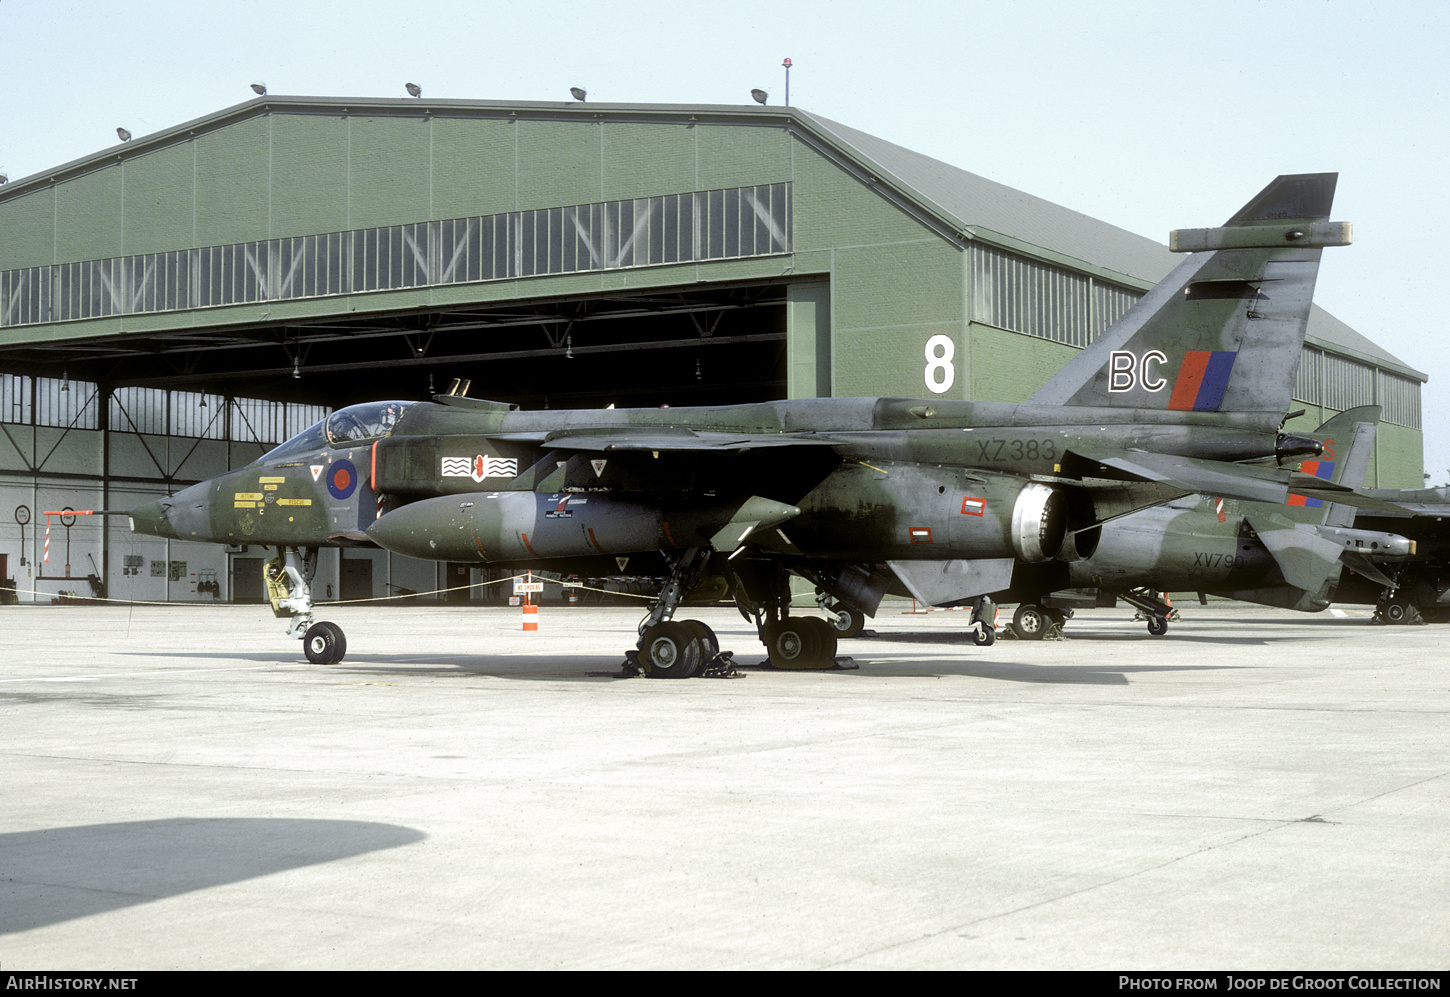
(531, 612)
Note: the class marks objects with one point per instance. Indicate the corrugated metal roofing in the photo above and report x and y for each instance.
(970, 201)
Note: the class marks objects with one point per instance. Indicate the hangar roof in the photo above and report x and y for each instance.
(974, 202)
(958, 201)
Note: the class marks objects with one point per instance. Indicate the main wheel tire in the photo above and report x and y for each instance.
(323, 643)
(1400, 610)
(1030, 622)
(1056, 618)
(845, 622)
(670, 651)
(1435, 614)
(341, 649)
(709, 643)
(984, 636)
(794, 644)
(1157, 626)
(826, 634)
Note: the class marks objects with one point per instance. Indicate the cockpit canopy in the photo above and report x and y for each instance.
(345, 427)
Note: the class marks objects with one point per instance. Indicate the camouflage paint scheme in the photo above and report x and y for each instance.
(941, 500)
(1414, 587)
(1289, 555)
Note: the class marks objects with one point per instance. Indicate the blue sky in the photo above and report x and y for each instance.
(1151, 116)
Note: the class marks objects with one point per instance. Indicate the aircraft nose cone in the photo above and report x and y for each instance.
(151, 519)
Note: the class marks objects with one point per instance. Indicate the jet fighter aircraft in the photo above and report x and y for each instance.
(1290, 555)
(1405, 586)
(935, 499)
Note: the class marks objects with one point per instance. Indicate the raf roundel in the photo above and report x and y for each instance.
(342, 479)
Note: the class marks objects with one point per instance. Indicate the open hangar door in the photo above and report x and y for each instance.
(670, 346)
(686, 345)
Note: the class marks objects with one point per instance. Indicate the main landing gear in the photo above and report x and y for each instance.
(1151, 608)
(289, 588)
(1033, 621)
(678, 649)
(845, 621)
(1396, 609)
(984, 622)
(794, 643)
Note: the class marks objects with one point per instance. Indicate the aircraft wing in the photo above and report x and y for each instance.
(1213, 477)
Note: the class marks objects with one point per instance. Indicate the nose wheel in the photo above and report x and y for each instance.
(289, 589)
(324, 643)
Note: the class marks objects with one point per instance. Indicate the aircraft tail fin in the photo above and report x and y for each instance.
(1223, 331)
(1310, 559)
(1348, 443)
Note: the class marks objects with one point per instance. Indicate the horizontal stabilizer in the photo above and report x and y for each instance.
(1212, 477)
(1415, 501)
(1340, 495)
(946, 583)
(1190, 474)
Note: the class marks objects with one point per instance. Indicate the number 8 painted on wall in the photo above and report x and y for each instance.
(939, 370)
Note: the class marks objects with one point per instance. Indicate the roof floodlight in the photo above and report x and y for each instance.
(123, 135)
(759, 96)
(579, 92)
(260, 89)
(414, 90)
(4, 179)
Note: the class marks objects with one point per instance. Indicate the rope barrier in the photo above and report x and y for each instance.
(341, 602)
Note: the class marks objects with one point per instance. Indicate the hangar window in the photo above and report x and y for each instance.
(1023, 295)
(649, 231)
(1340, 383)
(1399, 398)
(138, 410)
(65, 403)
(1346, 383)
(256, 420)
(15, 399)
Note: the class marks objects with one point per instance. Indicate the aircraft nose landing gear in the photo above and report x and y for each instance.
(289, 589)
(324, 643)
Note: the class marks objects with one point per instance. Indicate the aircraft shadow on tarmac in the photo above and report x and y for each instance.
(965, 637)
(360, 669)
(63, 873)
(544, 667)
(1016, 671)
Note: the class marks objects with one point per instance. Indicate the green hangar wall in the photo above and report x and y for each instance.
(368, 241)
(906, 248)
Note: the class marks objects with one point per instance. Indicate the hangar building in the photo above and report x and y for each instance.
(178, 304)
